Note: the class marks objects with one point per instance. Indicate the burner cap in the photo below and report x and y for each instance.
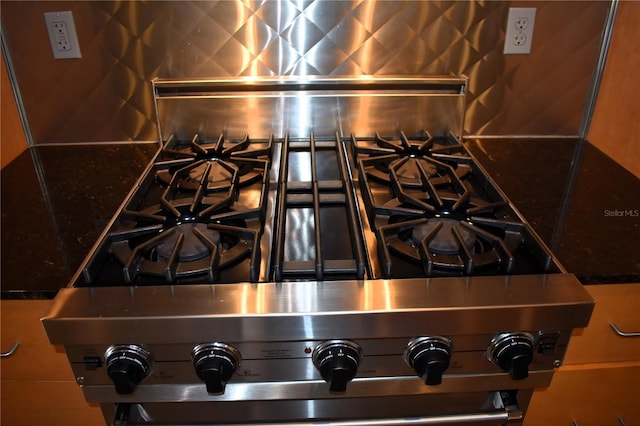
(217, 173)
(193, 247)
(410, 170)
(444, 241)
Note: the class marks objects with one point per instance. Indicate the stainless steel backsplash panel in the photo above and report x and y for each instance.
(299, 107)
(106, 95)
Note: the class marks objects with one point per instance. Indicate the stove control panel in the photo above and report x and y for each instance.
(429, 356)
(330, 366)
(215, 363)
(513, 352)
(337, 361)
(127, 366)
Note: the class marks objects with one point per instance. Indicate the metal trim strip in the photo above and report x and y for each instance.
(358, 388)
(173, 87)
(598, 72)
(315, 310)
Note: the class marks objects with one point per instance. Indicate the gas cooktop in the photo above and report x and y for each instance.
(216, 210)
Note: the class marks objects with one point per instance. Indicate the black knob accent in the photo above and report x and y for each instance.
(215, 363)
(337, 361)
(127, 366)
(429, 357)
(513, 352)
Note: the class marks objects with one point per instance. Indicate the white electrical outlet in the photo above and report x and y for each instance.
(519, 34)
(62, 35)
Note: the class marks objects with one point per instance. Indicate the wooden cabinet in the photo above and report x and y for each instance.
(598, 383)
(615, 127)
(38, 387)
(598, 395)
(617, 304)
(12, 137)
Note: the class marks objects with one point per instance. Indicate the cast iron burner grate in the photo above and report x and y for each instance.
(185, 249)
(317, 232)
(453, 245)
(213, 165)
(426, 205)
(193, 220)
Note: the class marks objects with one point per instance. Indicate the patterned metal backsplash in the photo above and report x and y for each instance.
(107, 96)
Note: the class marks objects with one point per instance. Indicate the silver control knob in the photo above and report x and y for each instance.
(127, 366)
(513, 352)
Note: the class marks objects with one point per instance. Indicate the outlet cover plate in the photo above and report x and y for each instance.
(519, 33)
(62, 35)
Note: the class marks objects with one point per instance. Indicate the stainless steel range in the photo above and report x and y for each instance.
(316, 251)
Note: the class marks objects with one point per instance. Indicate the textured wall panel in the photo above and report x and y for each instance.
(106, 95)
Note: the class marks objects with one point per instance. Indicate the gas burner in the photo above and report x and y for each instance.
(461, 235)
(184, 251)
(412, 168)
(449, 246)
(217, 166)
(170, 241)
(417, 147)
(444, 236)
(427, 192)
(416, 152)
(214, 171)
(187, 237)
(196, 240)
(203, 178)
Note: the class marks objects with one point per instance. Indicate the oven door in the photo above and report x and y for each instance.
(469, 408)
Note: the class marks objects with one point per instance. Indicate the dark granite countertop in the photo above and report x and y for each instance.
(584, 205)
(52, 215)
(587, 214)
